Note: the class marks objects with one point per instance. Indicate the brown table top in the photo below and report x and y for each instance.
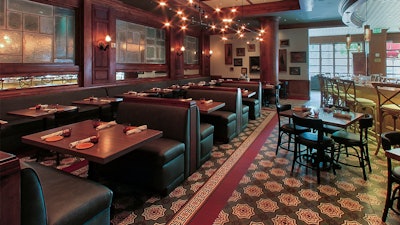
(329, 119)
(33, 113)
(113, 143)
(98, 101)
(209, 107)
(393, 154)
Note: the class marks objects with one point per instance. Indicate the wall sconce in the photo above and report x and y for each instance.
(105, 45)
(210, 52)
(348, 41)
(367, 33)
(180, 52)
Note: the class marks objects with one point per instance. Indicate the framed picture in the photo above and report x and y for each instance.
(243, 70)
(294, 70)
(298, 57)
(284, 43)
(251, 47)
(237, 62)
(228, 54)
(240, 52)
(282, 60)
(254, 64)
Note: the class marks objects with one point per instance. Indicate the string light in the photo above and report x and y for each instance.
(226, 24)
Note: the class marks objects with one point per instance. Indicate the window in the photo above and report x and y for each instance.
(331, 58)
(191, 54)
(34, 33)
(392, 59)
(139, 44)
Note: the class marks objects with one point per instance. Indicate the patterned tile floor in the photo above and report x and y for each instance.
(269, 194)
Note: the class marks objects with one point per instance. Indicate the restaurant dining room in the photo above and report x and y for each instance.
(199, 112)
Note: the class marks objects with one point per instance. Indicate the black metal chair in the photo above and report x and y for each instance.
(286, 129)
(358, 142)
(317, 141)
(390, 139)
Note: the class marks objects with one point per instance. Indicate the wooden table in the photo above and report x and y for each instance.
(393, 154)
(100, 103)
(209, 107)
(113, 143)
(39, 113)
(329, 119)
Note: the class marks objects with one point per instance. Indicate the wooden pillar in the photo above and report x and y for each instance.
(10, 212)
(269, 50)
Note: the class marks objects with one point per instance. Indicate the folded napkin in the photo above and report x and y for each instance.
(142, 94)
(136, 130)
(245, 91)
(51, 110)
(58, 133)
(342, 116)
(131, 93)
(167, 89)
(91, 99)
(3, 122)
(105, 100)
(73, 144)
(188, 99)
(185, 87)
(207, 101)
(106, 125)
(305, 114)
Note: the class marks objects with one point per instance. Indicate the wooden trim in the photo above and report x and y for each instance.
(10, 187)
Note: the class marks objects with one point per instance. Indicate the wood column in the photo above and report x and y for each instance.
(10, 186)
(269, 50)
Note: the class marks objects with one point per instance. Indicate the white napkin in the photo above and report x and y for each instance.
(58, 133)
(105, 100)
(207, 101)
(142, 94)
(136, 130)
(73, 144)
(132, 93)
(3, 122)
(106, 125)
(51, 110)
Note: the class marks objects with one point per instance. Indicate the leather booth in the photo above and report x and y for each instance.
(50, 196)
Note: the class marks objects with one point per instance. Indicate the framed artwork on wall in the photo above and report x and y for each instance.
(282, 60)
(298, 57)
(237, 62)
(294, 70)
(243, 70)
(254, 64)
(228, 54)
(240, 52)
(251, 47)
(284, 43)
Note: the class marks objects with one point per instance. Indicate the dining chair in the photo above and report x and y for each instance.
(357, 142)
(286, 128)
(318, 146)
(389, 139)
(388, 105)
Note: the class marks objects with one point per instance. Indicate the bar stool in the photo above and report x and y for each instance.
(286, 129)
(318, 141)
(390, 139)
(388, 106)
(356, 141)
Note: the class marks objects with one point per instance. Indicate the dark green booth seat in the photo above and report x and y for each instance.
(53, 197)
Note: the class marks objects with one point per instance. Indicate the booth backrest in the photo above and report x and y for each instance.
(231, 96)
(175, 122)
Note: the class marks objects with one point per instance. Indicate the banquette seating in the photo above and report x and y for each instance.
(10, 134)
(254, 102)
(50, 196)
(228, 120)
(161, 165)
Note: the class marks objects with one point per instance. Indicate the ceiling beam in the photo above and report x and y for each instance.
(264, 8)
